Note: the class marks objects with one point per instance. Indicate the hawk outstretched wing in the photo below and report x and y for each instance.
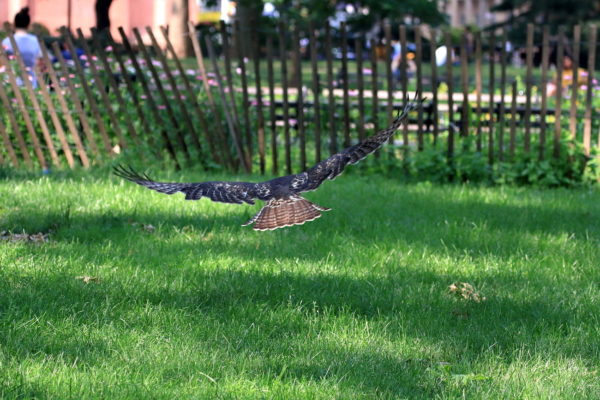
(284, 205)
(224, 192)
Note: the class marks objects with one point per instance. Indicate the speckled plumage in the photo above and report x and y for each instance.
(284, 205)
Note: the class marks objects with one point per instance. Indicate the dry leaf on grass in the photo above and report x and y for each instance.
(145, 227)
(24, 237)
(466, 291)
(88, 279)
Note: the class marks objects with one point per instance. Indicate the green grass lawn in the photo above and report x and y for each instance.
(186, 303)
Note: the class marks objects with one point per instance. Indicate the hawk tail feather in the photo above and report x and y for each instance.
(279, 213)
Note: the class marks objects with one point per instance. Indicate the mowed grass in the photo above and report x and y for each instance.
(353, 305)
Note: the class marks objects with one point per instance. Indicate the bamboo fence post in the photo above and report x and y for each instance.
(479, 88)
(528, 83)
(24, 111)
(245, 100)
(162, 94)
(191, 95)
(211, 101)
(449, 78)
(55, 120)
(229, 76)
(502, 95)
(513, 121)
(464, 129)
(492, 105)
(299, 97)
(374, 88)
(259, 106)
(237, 140)
(316, 91)
(559, 92)
(330, 96)
(88, 93)
(274, 160)
(345, 86)
(284, 84)
(587, 129)
(9, 147)
(544, 105)
(66, 111)
(575, 82)
(419, 61)
(110, 78)
(390, 78)
(99, 87)
(26, 78)
(360, 86)
(15, 127)
(187, 118)
(128, 83)
(434, 85)
(141, 76)
(404, 78)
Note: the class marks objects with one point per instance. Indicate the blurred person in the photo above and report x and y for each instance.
(567, 77)
(26, 42)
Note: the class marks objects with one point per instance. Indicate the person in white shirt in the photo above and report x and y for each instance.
(28, 44)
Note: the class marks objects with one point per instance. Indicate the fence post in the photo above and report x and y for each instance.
(418, 61)
(360, 86)
(237, 140)
(299, 97)
(162, 94)
(587, 130)
(449, 78)
(575, 81)
(559, 90)
(272, 109)
(528, 83)
(8, 145)
(15, 127)
(502, 96)
(492, 108)
(187, 119)
(24, 112)
(544, 105)
(478, 88)
(330, 95)
(464, 129)
(316, 90)
(83, 157)
(245, 102)
(259, 106)
(34, 101)
(434, 84)
(143, 80)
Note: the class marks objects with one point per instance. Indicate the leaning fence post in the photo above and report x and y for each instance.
(8, 145)
(559, 91)
(15, 127)
(528, 83)
(83, 157)
(24, 112)
(34, 101)
(587, 130)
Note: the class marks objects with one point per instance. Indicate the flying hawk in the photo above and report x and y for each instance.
(285, 206)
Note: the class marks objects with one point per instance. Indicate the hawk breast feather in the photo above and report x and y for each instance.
(284, 205)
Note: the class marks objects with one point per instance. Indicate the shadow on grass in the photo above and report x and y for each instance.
(282, 320)
(297, 312)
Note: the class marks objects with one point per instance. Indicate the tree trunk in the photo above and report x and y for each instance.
(247, 14)
(179, 16)
(102, 17)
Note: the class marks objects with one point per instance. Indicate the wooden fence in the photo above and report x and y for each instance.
(299, 94)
